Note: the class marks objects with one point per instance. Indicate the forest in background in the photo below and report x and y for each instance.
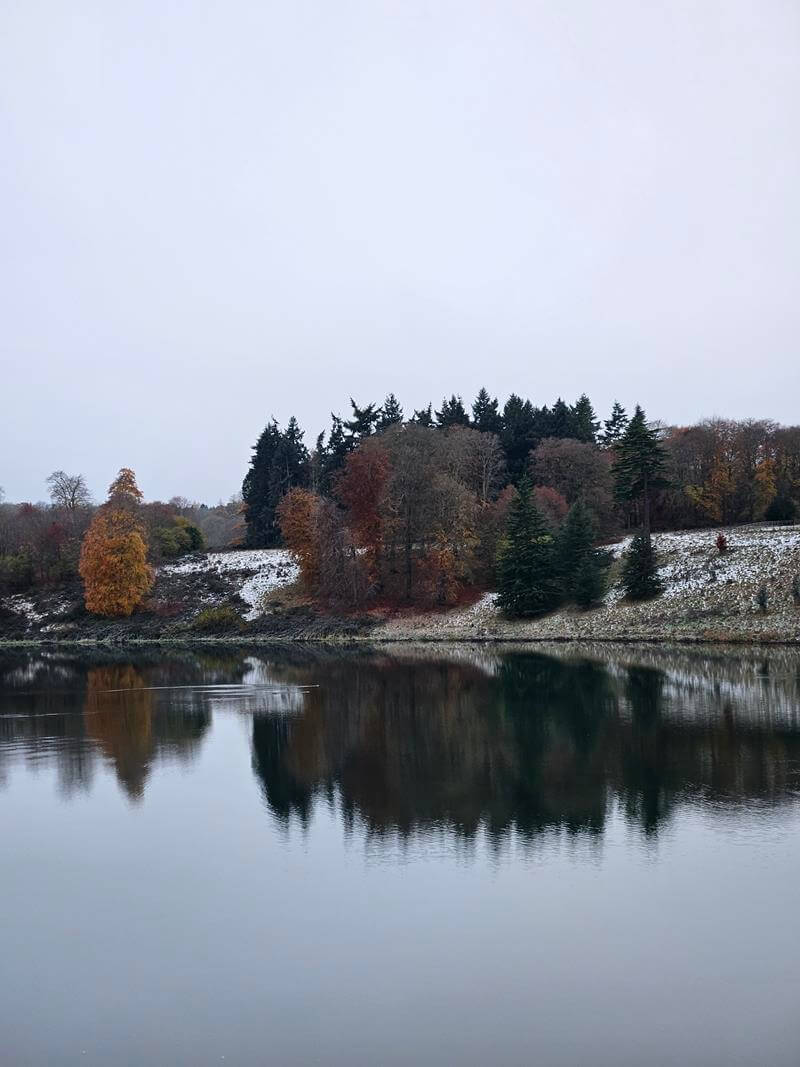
(385, 508)
(421, 509)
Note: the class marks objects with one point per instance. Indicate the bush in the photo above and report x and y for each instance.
(782, 509)
(16, 572)
(218, 620)
(640, 571)
(722, 544)
(190, 534)
(762, 599)
(178, 539)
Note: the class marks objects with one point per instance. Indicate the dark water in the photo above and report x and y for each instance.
(434, 857)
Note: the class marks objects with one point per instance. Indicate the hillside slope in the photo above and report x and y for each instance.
(707, 597)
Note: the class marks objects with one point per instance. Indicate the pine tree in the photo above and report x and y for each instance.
(453, 413)
(336, 452)
(517, 435)
(279, 463)
(542, 425)
(561, 420)
(362, 423)
(614, 427)
(255, 488)
(485, 414)
(640, 464)
(590, 583)
(526, 567)
(639, 569)
(391, 414)
(579, 566)
(584, 422)
(423, 417)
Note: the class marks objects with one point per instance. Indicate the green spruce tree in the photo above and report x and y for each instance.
(453, 413)
(517, 435)
(614, 427)
(485, 414)
(584, 422)
(362, 423)
(527, 582)
(580, 570)
(561, 424)
(640, 464)
(391, 414)
(258, 516)
(423, 417)
(280, 462)
(640, 578)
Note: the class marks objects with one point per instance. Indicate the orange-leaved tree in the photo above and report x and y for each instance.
(113, 563)
(297, 515)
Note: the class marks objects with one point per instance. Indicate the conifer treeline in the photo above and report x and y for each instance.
(282, 460)
(418, 508)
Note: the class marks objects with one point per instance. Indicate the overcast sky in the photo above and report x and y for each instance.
(215, 213)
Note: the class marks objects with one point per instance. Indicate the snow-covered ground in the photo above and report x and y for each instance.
(261, 571)
(708, 595)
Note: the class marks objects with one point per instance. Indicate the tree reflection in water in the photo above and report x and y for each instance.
(413, 742)
(541, 743)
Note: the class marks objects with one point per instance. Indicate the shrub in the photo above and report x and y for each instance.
(762, 599)
(217, 620)
(722, 544)
(16, 572)
(782, 509)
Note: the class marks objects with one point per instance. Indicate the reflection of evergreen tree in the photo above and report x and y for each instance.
(648, 785)
(285, 795)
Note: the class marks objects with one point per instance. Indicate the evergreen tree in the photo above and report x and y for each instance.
(542, 425)
(280, 461)
(453, 413)
(423, 417)
(639, 569)
(527, 583)
(561, 420)
(362, 423)
(255, 488)
(614, 427)
(316, 465)
(485, 414)
(590, 582)
(517, 435)
(583, 419)
(579, 564)
(390, 414)
(335, 454)
(640, 464)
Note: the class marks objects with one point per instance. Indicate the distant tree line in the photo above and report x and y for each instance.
(40, 543)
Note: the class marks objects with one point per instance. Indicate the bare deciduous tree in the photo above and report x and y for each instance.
(68, 490)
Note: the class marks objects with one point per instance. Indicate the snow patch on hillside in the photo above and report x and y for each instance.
(261, 570)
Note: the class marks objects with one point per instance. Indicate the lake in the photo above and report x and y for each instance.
(434, 855)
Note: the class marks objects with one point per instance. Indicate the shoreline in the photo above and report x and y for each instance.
(252, 597)
(367, 639)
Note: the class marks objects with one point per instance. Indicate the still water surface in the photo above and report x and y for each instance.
(436, 856)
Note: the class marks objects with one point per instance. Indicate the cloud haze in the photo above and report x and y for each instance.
(213, 213)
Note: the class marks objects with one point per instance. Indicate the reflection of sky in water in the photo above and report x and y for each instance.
(500, 858)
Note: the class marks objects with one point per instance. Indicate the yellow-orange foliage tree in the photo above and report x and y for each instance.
(113, 563)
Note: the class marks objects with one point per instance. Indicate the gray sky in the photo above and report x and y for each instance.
(213, 213)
